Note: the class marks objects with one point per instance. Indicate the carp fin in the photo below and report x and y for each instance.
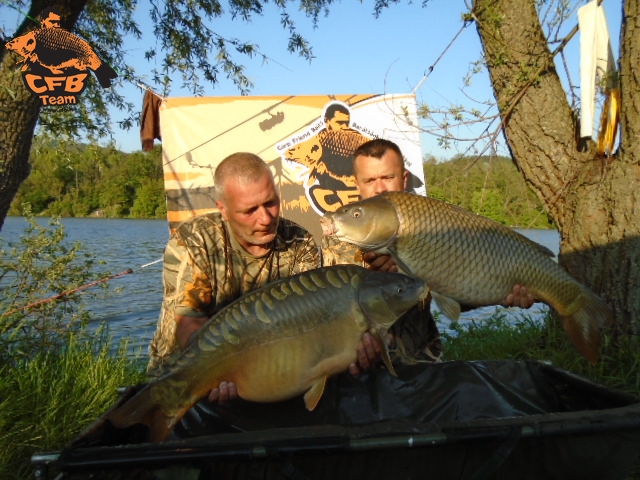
(314, 394)
(386, 359)
(399, 263)
(141, 409)
(403, 267)
(584, 324)
(447, 305)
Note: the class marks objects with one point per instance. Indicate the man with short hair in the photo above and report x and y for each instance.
(213, 259)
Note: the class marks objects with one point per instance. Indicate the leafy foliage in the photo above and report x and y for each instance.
(41, 266)
(56, 377)
(50, 398)
(488, 186)
(188, 52)
(544, 340)
(74, 180)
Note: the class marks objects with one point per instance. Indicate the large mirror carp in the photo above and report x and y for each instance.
(277, 342)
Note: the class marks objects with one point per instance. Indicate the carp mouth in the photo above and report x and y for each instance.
(328, 227)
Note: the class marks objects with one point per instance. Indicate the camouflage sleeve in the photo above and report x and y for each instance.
(307, 255)
(336, 252)
(186, 291)
(186, 285)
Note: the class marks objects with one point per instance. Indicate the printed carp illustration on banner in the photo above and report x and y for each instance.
(308, 141)
(56, 61)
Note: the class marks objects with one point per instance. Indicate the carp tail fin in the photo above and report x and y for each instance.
(584, 324)
(143, 409)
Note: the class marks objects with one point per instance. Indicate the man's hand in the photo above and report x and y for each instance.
(381, 263)
(519, 297)
(224, 393)
(369, 353)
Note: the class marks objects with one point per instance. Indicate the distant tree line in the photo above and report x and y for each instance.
(76, 180)
(488, 186)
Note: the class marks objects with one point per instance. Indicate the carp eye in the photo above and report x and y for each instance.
(357, 213)
(400, 290)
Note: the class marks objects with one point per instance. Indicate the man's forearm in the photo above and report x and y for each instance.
(186, 327)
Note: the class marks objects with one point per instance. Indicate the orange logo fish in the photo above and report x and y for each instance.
(55, 59)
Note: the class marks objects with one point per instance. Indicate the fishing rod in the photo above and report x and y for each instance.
(77, 289)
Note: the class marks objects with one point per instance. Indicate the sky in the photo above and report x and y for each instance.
(356, 53)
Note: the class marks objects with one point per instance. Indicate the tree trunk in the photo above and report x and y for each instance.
(593, 200)
(20, 108)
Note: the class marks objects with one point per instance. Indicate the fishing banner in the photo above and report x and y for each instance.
(308, 142)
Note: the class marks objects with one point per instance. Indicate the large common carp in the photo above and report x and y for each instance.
(469, 259)
(277, 342)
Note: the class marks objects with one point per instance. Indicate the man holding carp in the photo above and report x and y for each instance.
(213, 259)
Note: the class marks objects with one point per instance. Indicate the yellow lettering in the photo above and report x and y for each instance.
(75, 83)
(332, 200)
(348, 196)
(321, 194)
(31, 82)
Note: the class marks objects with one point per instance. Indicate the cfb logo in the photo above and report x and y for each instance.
(55, 61)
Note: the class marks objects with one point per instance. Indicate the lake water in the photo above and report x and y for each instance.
(130, 307)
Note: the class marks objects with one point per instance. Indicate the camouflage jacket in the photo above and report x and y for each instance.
(205, 269)
(416, 333)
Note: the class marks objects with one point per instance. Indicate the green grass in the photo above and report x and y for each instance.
(50, 398)
(497, 338)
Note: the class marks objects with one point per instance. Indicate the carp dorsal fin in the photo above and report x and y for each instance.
(447, 305)
(386, 359)
(314, 394)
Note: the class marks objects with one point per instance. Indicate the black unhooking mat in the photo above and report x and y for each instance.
(454, 420)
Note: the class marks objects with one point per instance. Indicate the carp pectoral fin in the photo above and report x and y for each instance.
(400, 264)
(447, 305)
(385, 351)
(104, 74)
(314, 394)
